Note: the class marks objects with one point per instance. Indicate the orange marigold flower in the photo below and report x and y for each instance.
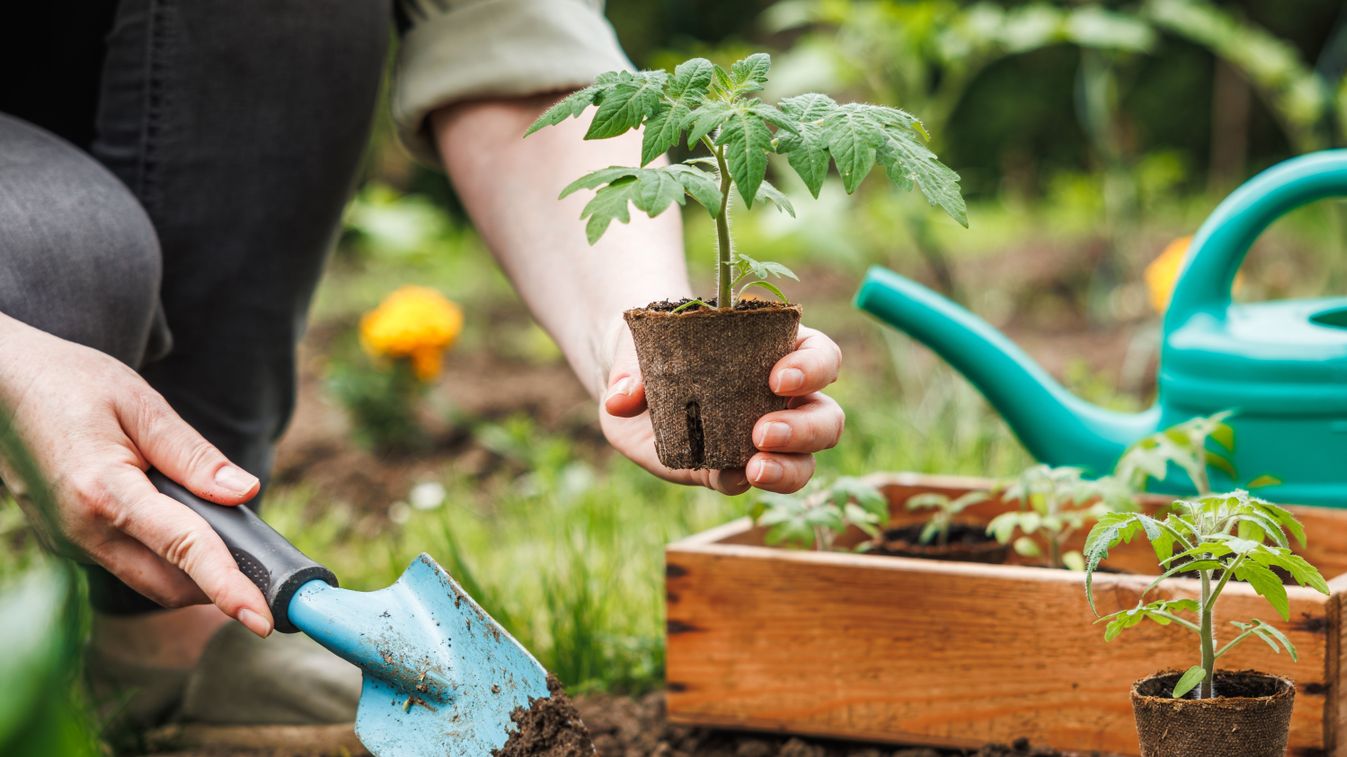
(1163, 272)
(413, 323)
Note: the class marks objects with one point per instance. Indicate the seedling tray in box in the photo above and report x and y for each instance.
(907, 650)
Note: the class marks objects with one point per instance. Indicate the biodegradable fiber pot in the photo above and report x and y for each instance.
(1250, 716)
(705, 375)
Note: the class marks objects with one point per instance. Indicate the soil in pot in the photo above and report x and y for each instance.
(548, 727)
(1250, 716)
(705, 373)
(968, 542)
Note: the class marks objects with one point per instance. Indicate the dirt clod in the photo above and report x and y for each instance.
(548, 727)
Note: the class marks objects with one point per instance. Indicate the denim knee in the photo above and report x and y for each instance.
(79, 257)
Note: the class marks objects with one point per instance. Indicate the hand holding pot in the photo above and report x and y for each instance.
(786, 439)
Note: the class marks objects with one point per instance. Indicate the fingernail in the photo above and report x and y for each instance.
(773, 434)
(733, 481)
(623, 387)
(765, 471)
(254, 622)
(235, 479)
(789, 380)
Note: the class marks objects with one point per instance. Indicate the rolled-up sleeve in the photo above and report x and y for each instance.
(463, 49)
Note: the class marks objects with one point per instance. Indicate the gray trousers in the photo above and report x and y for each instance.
(186, 235)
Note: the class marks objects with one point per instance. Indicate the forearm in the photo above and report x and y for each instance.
(509, 186)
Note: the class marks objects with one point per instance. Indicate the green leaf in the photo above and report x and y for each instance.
(806, 149)
(1189, 681)
(655, 191)
(686, 90)
(750, 74)
(705, 119)
(631, 99)
(1262, 481)
(1221, 463)
(769, 193)
(571, 106)
(746, 141)
(1267, 585)
(1026, 547)
(699, 185)
(597, 178)
(1073, 560)
(609, 204)
(773, 288)
(853, 141)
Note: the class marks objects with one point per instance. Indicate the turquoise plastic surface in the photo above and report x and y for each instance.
(1282, 366)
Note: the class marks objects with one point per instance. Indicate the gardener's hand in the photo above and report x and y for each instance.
(786, 439)
(93, 427)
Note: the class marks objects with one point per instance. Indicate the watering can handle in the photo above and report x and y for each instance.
(1219, 247)
(265, 557)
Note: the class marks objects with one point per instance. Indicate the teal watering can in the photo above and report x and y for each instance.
(1281, 366)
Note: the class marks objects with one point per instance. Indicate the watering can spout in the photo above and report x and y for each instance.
(1056, 426)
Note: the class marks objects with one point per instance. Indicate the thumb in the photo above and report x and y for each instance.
(625, 396)
(178, 451)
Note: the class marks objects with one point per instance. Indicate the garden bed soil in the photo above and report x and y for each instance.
(968, 542)
(706, 376)
(638, 727)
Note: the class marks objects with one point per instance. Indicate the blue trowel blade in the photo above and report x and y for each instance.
(441, 677)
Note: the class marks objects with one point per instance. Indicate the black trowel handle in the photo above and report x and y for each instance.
(274, 564)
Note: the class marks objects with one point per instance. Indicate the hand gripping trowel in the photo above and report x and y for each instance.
(440, 676)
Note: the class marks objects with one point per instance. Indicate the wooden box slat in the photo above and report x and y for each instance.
(958, 654)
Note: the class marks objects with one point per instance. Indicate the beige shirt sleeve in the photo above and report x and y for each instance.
(462, 49)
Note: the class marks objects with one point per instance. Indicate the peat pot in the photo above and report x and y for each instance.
(705, 372)
(1250, 715)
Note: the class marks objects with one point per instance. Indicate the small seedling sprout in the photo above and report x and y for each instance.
(944, 510)
(1185, 446)
(706, 106)
(1055, 503)
(1216, 538)
(815, 518)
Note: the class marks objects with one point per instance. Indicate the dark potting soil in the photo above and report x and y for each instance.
(548, 727)
(1228, 684)
(627, 727)
(667, 306)
(967, 542)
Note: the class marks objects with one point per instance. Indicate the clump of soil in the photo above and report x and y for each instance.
(548, 727)
(626, 727)
(968, 542)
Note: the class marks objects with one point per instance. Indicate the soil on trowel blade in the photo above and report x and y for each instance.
(548, 727)
(626, 727)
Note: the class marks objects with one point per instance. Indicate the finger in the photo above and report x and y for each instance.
(777, 472)
(625, 397)
(136, 566)
(186, 541)
(815, 423)
(168, 443)
(812, 366)
(635, 438)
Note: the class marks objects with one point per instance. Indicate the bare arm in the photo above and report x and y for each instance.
(510, 185)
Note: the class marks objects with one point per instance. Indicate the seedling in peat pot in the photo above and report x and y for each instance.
(814, 519)
(1214, 538)
(1185, 447)
(717, 112)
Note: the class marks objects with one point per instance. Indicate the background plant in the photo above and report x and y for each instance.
(1216, 538)
(944, 509)
(404, 340)
(1054, 504)
(815, 518)
(717, 109)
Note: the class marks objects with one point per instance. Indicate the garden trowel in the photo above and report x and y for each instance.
(440, 676)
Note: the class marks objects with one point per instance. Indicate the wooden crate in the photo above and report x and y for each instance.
(958, 654)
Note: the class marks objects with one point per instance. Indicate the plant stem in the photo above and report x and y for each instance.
(1054, 553)
(724, 269)
(1205, 691)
